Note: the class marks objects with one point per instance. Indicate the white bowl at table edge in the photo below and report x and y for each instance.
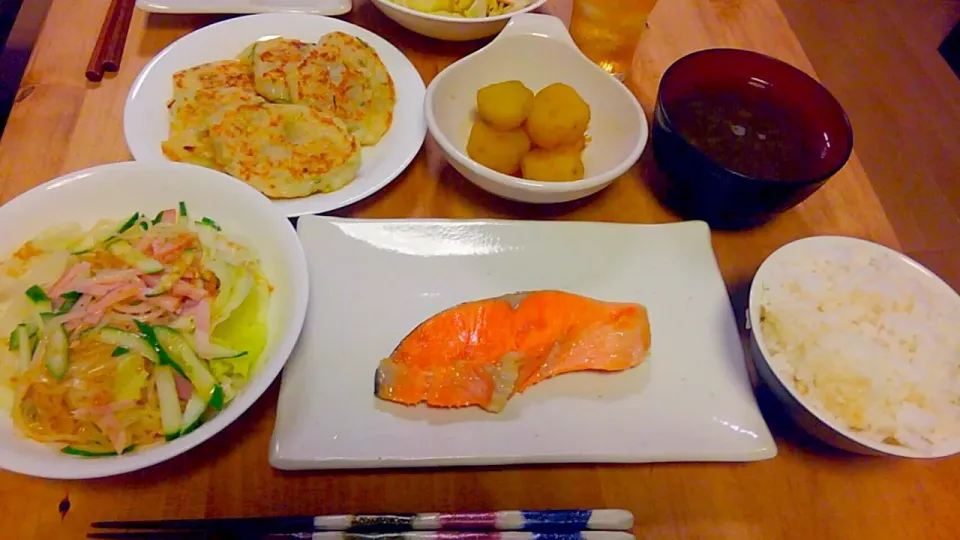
(551, 30)
(112, 190)
(449, 28)
(812, 421)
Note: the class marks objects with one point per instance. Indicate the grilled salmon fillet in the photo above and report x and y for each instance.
(481, 353)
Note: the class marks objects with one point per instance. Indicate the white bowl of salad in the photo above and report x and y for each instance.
(455, 20)
(143, 308)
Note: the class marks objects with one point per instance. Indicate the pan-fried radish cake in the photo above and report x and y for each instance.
(285, 150)
(286, 116)
(344, 76)
(198, 94)
(272, 60)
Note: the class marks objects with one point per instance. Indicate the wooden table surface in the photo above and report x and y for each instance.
(62, 123)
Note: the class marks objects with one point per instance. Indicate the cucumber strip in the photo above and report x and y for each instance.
(196, 370)
(151, 338)
(170, 415)
(16, 338)
(129, 341)
(144, 225)
(32, 329)
(211, 223)
(40, 318)
(182, 207)
(158, 218)
(23, 341)
(44, 315)
(119, 351)
(55, 357)
(238, 354)
(102, 232)
(125, 252)
(69, 299)
(216, 400)
(212, 351)
(217, 352)
(24, 345)
(36, 294)
(130, 222)
(183, 323)
(39, 298)
(192, 413)
(74, 451)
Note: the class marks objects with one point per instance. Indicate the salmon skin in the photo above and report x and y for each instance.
(483, 352)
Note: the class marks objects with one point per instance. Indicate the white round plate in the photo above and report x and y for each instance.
(146, 123)
(116, 190)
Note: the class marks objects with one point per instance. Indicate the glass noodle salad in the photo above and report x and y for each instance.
(465, 8)
(127, 334)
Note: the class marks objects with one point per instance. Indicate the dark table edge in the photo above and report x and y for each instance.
(16, 49)
(950, 49)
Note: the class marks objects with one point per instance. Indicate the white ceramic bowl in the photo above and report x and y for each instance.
(537, 50)
(774, 272)
(449, 28)
(117, 190)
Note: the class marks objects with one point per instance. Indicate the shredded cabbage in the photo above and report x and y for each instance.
(245, 330)
(465, 8)
(131, 377)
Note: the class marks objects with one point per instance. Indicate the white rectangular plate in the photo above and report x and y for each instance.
(318, 7)
(373, 281)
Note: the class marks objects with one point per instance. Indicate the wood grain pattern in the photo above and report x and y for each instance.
(881, 61)
(808, 491)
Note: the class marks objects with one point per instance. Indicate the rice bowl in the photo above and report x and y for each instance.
(864, 339)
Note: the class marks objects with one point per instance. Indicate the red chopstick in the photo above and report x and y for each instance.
(108, 51)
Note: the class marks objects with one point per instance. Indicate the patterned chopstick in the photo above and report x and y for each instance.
(454, 535)
(261, 534)
(504, 520)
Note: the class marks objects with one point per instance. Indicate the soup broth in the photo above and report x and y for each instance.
(748, 133)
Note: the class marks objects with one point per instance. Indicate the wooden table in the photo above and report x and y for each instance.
(62, 123)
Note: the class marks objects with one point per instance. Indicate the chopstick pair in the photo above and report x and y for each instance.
(108, 51)
(602, 524)
(343, 535)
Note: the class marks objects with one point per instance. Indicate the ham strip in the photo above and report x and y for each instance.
(137, 309)
(98, 308)
(165, 302)
(93, 289)
(106, 277)
(183, 288)
(184, 388)
(65, 283)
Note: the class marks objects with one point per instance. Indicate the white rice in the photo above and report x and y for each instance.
(869, 343)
